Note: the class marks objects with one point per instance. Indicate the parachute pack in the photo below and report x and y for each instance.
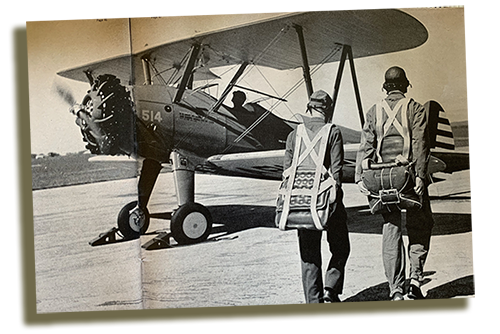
(391, 181)
(307, 188)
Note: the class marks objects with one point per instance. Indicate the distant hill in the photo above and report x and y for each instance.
(461, 133)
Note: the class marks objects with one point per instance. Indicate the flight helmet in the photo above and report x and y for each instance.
(395, 79)
(322, 102)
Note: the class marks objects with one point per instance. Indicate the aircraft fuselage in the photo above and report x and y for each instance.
(192, 126)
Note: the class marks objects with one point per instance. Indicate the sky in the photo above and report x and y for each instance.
(436, 69)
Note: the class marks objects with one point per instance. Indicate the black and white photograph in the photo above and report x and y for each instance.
(250, 159)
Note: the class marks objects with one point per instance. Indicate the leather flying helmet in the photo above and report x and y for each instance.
(320, 101)
(395, 79)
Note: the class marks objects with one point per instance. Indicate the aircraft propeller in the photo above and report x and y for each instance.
(65, 94)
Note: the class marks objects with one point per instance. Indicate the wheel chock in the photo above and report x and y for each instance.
(161, 241)
(105, 238)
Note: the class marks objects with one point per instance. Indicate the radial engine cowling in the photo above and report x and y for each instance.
(106, 118)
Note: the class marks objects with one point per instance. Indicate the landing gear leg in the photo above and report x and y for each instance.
(133, 219)
(191, 222)
(149, 174)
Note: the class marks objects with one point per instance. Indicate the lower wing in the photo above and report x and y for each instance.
(269, 164)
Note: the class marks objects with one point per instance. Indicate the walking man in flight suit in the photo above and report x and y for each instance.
(320, 108)
(385, 148)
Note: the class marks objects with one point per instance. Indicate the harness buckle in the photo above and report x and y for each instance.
(389, 196)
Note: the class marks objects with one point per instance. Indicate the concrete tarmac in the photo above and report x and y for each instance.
(246, 261)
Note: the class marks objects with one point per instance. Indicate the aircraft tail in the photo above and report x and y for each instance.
(440, 132)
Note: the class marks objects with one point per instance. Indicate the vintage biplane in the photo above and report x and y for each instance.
(147, 105)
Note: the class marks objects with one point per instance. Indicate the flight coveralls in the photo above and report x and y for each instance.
(336, 231)
(418, 223)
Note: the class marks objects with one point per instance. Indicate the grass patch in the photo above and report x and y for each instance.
(73, 169)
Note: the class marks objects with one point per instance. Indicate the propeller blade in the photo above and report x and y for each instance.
(65, 94)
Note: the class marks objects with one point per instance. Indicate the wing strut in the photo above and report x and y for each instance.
(347, 53)
(356, 88)
(305, 63)
(226, 91)
(195, 49)
(146, 70)
(230, 86)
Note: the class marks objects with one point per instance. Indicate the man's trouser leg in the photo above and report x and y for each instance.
(310, 256)
(419, 226)
(338, 241)
(393, 252)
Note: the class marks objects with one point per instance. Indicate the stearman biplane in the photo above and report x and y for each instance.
(148, 106)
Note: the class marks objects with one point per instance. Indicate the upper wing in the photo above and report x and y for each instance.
(274, 43)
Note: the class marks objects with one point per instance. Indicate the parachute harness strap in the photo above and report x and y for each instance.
(304, 148)
(383, 127)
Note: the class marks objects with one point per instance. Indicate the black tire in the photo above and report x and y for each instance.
(191, 223)
(128, 228)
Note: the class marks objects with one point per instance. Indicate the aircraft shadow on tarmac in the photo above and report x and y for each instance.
(461, 287)
(360, 220)
(235, 218)
(230, 219)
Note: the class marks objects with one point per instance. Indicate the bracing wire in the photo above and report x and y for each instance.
(272, 87)
(182, 140)
(174, 74)
(159, 74)
(285, 96)
(259, 56)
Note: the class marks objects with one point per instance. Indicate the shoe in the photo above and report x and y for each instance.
(330, 297)
(397, 296)
(414, 292)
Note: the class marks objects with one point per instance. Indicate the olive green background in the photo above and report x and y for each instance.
(456, 314)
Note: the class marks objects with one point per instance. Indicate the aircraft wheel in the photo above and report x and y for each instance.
(191, 223)
(133, 221)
